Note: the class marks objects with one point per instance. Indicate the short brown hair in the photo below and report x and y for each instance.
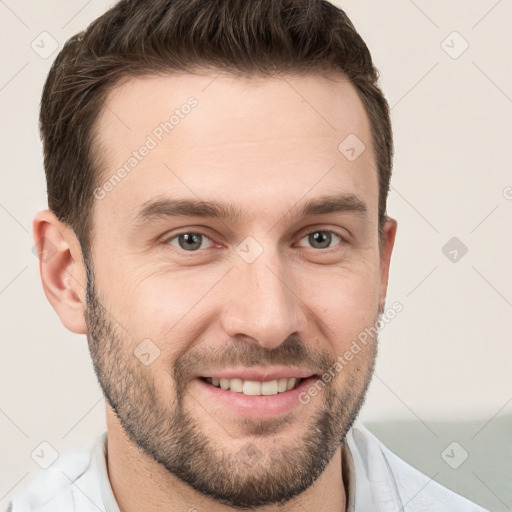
(242, 37)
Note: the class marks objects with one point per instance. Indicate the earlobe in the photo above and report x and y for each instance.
(62, 269)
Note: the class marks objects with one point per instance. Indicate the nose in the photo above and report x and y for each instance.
(263, 301)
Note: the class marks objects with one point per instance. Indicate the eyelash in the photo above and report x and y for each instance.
(190, 232)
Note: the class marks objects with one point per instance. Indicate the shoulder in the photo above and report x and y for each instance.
(69, 484)
(393, 482)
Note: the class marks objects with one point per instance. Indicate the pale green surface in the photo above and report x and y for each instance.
(485, 477)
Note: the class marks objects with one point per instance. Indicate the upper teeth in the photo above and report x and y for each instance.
(252, 387)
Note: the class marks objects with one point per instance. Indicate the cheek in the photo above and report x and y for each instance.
(347, 304)
(164, 306)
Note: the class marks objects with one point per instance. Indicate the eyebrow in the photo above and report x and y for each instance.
(159, 208)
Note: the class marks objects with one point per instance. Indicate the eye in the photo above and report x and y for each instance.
(189, 241)
(193, 241)
(321, 239)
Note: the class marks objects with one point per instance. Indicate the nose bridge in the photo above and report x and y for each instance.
(262, 302)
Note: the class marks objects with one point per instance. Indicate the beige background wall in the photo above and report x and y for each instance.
(446, 356)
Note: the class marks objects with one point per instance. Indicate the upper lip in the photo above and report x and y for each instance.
(260, 375)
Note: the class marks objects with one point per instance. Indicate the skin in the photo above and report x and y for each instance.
(260, 145)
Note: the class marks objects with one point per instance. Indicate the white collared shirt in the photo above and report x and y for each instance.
(377, 481)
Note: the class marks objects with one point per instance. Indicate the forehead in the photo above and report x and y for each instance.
(262, 142)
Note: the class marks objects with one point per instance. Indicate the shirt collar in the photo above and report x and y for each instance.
(348, 474)
(107, 494)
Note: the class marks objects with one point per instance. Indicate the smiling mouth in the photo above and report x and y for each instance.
(252, 387)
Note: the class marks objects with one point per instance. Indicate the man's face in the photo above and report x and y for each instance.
(179, 300)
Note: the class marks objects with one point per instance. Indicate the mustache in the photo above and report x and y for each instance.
(293, 352)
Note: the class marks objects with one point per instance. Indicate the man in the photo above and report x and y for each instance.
(217, 179)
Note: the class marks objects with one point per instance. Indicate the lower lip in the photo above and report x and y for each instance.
(256, 406)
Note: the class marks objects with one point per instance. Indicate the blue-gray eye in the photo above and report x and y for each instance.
(188, 241)
(321, 239)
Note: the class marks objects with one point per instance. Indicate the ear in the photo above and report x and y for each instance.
(62, 269)
(387, 244)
